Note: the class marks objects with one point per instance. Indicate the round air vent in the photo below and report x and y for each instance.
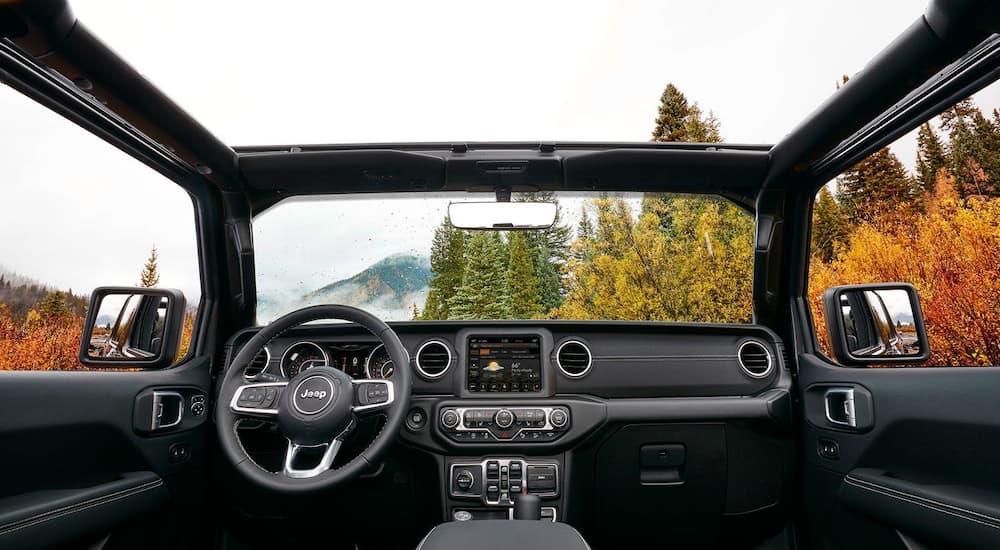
(755, 359)
(433, 359)
(258, 364)
(573, 358)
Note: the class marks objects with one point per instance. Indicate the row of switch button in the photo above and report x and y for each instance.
(258, 397)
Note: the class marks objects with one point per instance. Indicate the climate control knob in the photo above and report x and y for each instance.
(504, 418)
(449, 419)
(558, 418)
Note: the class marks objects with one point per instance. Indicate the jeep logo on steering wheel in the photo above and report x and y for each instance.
(313, 395)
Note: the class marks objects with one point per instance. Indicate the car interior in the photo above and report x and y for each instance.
(330, 427)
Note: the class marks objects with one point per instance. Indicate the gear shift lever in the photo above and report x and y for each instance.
(527, 506)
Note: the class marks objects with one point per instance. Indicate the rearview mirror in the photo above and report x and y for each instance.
(876, 324)
(502, 215)
(132, 327)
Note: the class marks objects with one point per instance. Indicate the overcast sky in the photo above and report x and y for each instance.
(326, 72)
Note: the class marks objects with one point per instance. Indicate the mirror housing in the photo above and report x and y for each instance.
(876, 324)
(130, 327)
(502, 215)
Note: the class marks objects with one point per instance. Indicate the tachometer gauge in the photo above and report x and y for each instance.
(302, 356)
(379, 364)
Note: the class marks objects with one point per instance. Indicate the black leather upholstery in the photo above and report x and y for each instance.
(503, 535)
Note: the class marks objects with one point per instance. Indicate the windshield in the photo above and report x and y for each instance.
(632, 256)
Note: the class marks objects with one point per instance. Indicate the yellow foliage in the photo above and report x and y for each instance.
(691, 261)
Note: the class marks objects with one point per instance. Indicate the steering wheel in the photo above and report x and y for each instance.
(314, 411)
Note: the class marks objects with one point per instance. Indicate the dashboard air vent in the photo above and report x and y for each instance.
(573, 358)
(433, 359)
(258, 364)
(755, 359)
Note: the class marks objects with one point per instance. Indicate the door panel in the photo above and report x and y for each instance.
(81, 458)
(923, 473)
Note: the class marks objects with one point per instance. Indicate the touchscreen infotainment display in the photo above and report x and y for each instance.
(504, 364)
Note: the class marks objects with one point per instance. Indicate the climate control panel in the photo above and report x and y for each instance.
(504, 424)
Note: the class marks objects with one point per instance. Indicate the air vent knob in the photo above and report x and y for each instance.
(449, 419)
(504, 418)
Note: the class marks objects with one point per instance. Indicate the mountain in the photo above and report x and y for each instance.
(388, 288)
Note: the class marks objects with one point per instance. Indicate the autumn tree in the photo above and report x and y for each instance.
(830, 230)
(525, 298)
(697, 270)
(150, 275)
(447, 263)
(483, 292)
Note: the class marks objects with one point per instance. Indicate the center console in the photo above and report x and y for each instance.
(488, 488)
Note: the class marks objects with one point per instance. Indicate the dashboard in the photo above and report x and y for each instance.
(608, 420)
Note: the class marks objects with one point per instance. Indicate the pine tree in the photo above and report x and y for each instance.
(150, 275)
(679, 120)
(830, 230)
(416, 312)
(930, 157)
(525, 301)
(447, 263)
(483, 292)
(584, 229)
(877, 185)
(671, 121)
(53, 307)
(549, 250)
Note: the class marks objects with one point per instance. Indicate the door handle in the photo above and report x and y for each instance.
(168, 409)
(840, 407)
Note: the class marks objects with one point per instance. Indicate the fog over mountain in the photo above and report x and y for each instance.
(388, 289)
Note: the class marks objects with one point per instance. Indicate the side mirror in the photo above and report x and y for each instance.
(876, 324)
(132, 327)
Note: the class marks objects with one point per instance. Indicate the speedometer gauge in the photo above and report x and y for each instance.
(379, 364)
(302, 356)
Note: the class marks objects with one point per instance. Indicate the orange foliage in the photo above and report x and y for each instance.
(38, 343)
(949, 253)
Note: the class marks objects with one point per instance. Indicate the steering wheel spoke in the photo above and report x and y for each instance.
(372, 395)
(330, 451)
(258, 399)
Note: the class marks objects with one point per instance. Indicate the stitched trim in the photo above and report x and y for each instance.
(913, 499)
(78, 507)
(925, 499)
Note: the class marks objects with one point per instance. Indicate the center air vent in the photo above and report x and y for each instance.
(258, 364)
(755, 359)
(573, 358)
(433, 359)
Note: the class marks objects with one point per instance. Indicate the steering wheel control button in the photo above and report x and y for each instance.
(252, 398)
(504, 418)
(558, 418)
(312, 395)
